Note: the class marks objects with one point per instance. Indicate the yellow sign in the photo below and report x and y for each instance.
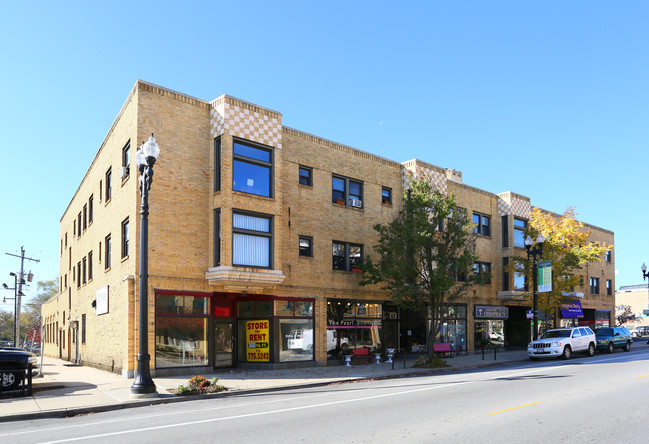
(257, 341)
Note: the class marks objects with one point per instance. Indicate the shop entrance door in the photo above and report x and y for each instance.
(223, 344)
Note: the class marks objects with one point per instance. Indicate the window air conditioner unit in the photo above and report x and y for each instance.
(356, 203)
(123, 172)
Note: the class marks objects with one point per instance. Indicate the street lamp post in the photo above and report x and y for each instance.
(145, 157)
(645, 275)
(534, 254)
(15, 299)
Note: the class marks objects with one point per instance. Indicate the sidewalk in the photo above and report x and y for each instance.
(68, 390)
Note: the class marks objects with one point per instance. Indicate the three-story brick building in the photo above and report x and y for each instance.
(256, 232)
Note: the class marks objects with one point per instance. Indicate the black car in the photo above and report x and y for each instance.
(13, 363)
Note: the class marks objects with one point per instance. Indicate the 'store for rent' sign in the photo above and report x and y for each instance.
(258, 342)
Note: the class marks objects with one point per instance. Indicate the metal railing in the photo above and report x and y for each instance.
(16, 381)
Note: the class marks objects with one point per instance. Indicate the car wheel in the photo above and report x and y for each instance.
(10, 380)
(567, 352)
(591, 349)
(634, 335)
(610, 347)
(627, 346)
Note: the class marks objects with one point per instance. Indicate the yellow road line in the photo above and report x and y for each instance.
(514, 408)
(643, 376)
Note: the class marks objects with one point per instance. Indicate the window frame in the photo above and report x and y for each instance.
(347, 196)
(479, 227)
(609, 287)
(217, 237)
(522, 229)
(108, 184)
(90, 208)
(482, 268)
(217, 163)
(90, 266)
(126, 158)
(125, 238)
(270, 235)
(347, 255)
(308, 178)
(309, 252)
(107, 252)
(594, 285)
(270, 165)
(387, 201)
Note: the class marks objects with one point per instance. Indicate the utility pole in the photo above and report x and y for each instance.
(20, 282)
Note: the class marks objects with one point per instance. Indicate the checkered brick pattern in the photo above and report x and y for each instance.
(521, 208)
(246, 124)
(504, 209)
(435, 178)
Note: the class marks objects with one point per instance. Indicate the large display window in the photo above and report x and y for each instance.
(352, 324)
(181, 325)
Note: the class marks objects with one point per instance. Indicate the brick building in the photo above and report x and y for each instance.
(255, 233)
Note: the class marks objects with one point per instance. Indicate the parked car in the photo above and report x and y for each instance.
(562, 343)
(640, 331)
(13, 363)
(611, 338)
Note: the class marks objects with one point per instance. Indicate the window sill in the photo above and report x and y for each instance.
(108, 201)
(301, 185)
(106, 270)
(305, 257)
(125, 179)
(124, 259)
(342, 205)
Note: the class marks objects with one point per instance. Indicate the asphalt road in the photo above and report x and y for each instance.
(600, 399)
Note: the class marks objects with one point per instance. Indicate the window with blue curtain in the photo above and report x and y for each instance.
(252, 240)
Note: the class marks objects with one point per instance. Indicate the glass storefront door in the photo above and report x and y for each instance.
(223, 343)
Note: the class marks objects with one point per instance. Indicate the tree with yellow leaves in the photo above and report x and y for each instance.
(567, 246)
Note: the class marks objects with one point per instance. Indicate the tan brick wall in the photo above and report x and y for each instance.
(181, 223)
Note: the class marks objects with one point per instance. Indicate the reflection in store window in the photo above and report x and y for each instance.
(296, 340)
(180, 341)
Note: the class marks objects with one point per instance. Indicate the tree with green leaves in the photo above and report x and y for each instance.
(30, 319)
(425, 255)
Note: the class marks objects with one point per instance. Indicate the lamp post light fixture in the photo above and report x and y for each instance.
(535, 253)
(143, 385)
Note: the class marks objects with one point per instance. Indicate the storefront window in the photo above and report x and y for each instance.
(453, 327)
(181, 330)
(354, 324)
(180, 341)
(296, 340)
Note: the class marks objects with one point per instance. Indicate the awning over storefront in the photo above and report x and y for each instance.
(572, 310)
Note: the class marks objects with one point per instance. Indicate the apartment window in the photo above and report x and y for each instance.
(79, 225)
(609, 255)
(482, 224)
(252, 240)
(520, 281)
(520, 226)
(217, 237)
(90, 209)
(107, 253)
(253, 168)
(386, 196)
(609, 287)
(101, 191)
(66, 240)
(90, 266)
(346, 191)
(126, 159)
(505, 274)
(217, 164)
(65, 281)
(483, 271)
(125, 238)
(85, 217)
(78, 274)
(109, 184)
(504, 223)
(346, 256)
(306, 246)
(306, 176)
(84, 270)
(83, 328)
(594, 285)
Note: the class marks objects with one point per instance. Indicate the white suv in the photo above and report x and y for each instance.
(562, 342)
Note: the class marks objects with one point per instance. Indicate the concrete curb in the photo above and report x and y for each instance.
(166, 399)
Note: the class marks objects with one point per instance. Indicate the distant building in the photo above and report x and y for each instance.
(256, 231)
(636, 297)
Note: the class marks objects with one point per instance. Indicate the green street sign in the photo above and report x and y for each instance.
(545, 276)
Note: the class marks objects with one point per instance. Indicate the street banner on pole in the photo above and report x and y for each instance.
(545, 276)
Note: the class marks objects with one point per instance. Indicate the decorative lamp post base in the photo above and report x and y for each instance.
(143, 386)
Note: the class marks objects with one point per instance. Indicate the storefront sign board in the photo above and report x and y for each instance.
(258, 341)
(102, 300)
(491, 312)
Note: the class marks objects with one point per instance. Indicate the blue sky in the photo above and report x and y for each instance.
(546, 99)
